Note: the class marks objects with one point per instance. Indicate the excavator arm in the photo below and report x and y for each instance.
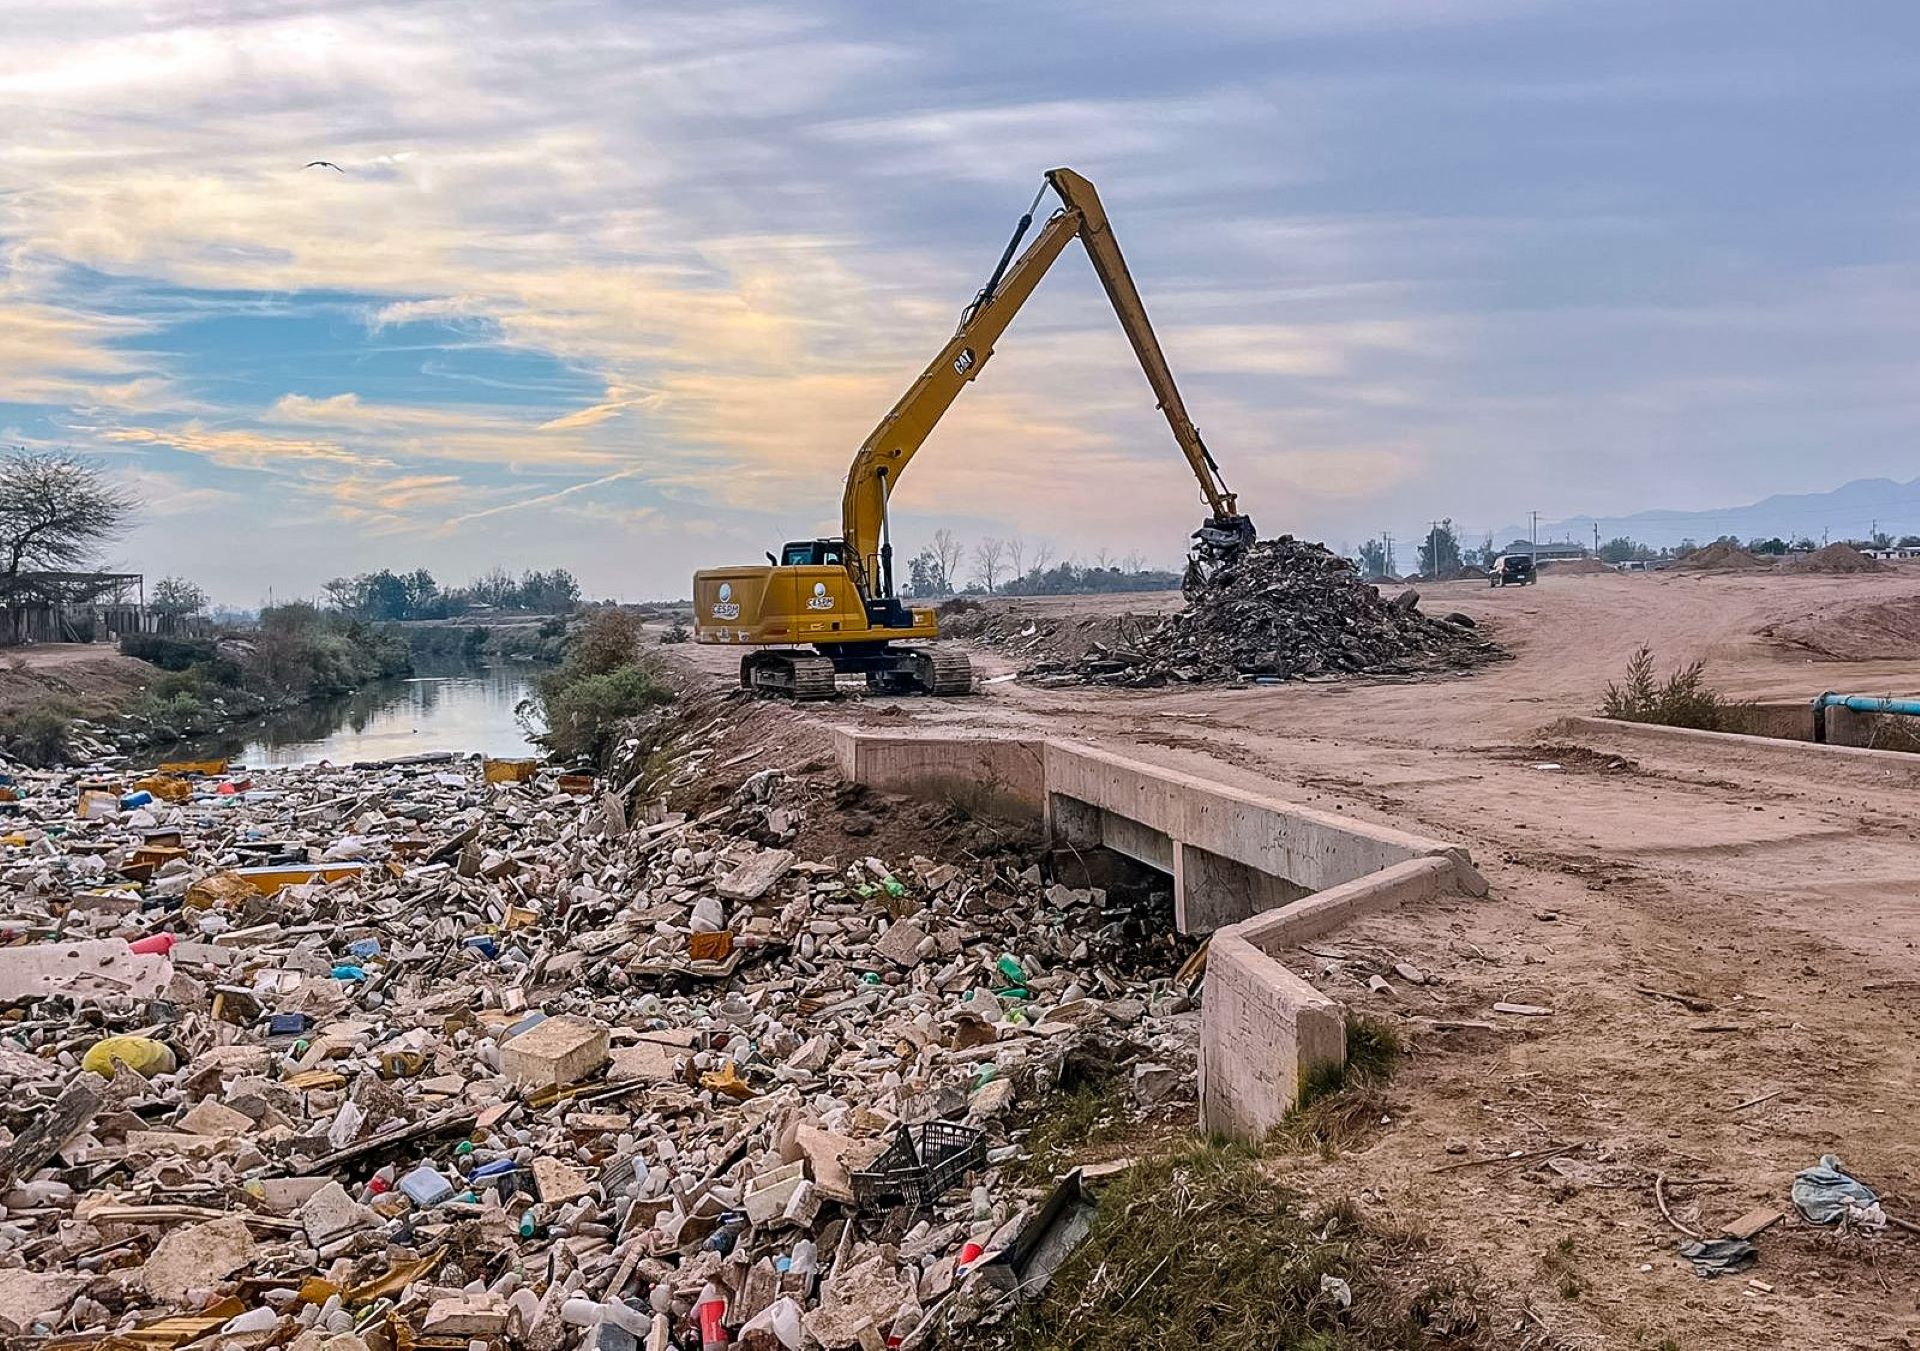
(892, 444)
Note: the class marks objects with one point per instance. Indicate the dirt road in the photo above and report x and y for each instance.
(1781, 906)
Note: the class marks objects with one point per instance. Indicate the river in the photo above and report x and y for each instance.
(462, 709)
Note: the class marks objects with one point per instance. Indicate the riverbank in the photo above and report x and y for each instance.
(458, 707)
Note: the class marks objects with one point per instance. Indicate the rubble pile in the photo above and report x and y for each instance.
(453, 1056)
(1284, 609)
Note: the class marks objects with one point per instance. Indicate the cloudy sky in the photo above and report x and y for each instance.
(620, 287)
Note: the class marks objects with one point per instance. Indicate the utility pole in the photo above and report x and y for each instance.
(1533, 536)
(1433, 547)
(1596, 539)
(1386, 538)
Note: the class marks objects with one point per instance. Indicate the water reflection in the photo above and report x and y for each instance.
(461, 709)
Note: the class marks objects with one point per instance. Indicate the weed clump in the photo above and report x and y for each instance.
(1683, 699)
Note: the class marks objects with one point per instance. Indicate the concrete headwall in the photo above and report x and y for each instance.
(1266, 1034)
(1001, 776)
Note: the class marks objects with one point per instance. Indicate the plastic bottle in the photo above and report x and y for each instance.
(797, 1278)
(905, 1322)
(711, 1309)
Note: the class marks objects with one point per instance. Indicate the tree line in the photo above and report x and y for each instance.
(1013, 566)
(387, 595)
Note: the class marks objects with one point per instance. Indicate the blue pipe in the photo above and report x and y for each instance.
(1858, 703)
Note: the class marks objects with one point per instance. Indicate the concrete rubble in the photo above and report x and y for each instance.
(431, 1055)
(1283, 609)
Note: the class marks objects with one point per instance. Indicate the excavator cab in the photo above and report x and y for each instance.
(814, 553)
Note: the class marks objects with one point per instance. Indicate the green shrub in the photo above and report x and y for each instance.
(609, 639)
(577, 709)
(583, 715)
(39, 735)
(1683, 699)
(167, 652)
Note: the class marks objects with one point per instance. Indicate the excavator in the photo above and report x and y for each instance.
(827, 607)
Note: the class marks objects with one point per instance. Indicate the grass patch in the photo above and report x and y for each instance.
(1683, 699)
(1341, 1106)
(1070, 1121)
(1558, 1268)
(1201, 1248)
(39, 735)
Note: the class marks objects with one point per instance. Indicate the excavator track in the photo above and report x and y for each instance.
(801, 676)
(942, 671)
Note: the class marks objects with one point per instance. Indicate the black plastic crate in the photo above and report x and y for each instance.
(922, 1164)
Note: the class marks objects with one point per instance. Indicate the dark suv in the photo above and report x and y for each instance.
(1512, 570)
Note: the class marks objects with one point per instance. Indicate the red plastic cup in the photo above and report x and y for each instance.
(152, 943)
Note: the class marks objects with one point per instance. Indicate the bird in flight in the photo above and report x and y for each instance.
(323, 164)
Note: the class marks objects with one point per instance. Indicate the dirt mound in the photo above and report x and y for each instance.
(1839, 558)
(1284, 609)
(1573, 567)
(1721, 557)
(1887, 630)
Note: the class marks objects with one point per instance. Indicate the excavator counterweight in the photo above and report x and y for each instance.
(829, 607)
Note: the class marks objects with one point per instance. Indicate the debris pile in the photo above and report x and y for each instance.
(1284, 609)
(450, 1056)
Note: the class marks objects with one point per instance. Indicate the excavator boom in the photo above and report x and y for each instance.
(892, 444)
(827, 607)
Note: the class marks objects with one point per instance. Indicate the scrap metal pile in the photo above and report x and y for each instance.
(1282, 609)
(421, 1056)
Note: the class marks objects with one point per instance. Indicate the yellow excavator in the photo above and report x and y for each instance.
(827, 607)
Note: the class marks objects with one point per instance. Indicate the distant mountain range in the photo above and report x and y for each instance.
(1851, 511)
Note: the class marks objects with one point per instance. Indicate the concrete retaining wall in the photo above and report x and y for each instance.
(1793, 721)
(1798, 756)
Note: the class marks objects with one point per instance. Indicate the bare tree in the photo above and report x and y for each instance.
(1135, 561)
(1016, 558)
(56, 510)
(1042, 555)
(948, 551)
(989, 557)
(1102, 559)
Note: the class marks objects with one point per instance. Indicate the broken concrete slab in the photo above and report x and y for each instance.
(26, 1297)
(555, 1182)
(756, 876)
(198, 1257)
(555, 1053)
(331, 1214)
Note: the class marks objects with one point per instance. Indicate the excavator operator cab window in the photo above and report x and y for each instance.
(812, 552)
